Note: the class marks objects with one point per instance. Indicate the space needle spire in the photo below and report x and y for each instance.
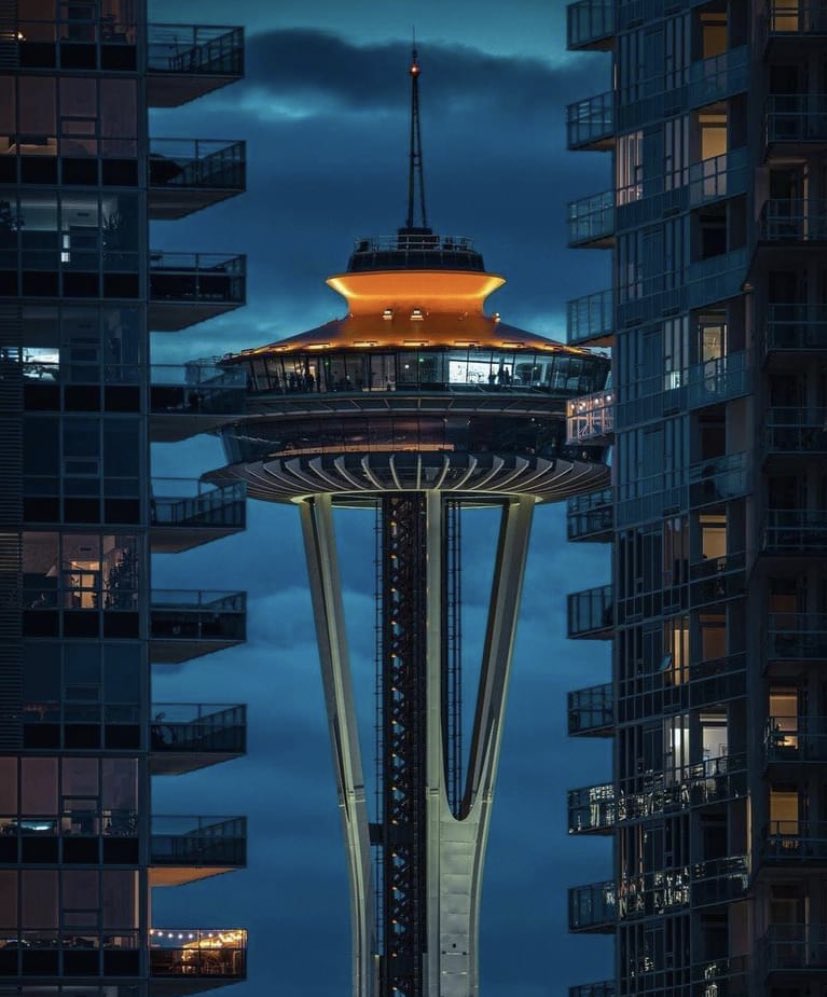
(416, 176)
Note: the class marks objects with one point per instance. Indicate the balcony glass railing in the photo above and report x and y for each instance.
(197, 841)
(791, 17)
(590, 418)
(189, 952)
(591, 710)
(199, 164)
(795, 326)
(794, 946)
(797, 637)
(191, 502)
(795, 530)
(593, 907)
(793, 219)
(209, 278)
(605, 988)
(182, 615)
(591, 515)
(701, 885)
(195, 49)
(796, 430)
(718, 77)
(198, 728)
(591, 122)
(796, 739)
(197, 388)
(590, 23)
(796, 117)
(591, 220)
(592, 809)
(590, 318)
(794, 841)
(591, 612)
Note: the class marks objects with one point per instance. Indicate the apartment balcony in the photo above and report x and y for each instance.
(663, 891)
(795, 431)
(186, 175)
(188, 960)
(790, 741)
(185, 849)
(186, 61)
(193, 398)
(719, 881)
(795, 531)
(797, 637)
(188, 512)
(591, 810)
(798, 119)
(590, 517)
(795, 329)
(591, 320)
(593, 908)
(590, 25)
(86, 833)
(591, 711)
(605, 988)
(187, 624)
(591, 614)
(718, 77)
(184, 737)
(590, 123)
(793, 841)
(791, 24)
(590, 419)
(591, 221)
(188, 288)
(797, 947)
(793, 221)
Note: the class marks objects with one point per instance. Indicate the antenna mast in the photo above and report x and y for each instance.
(415, 172)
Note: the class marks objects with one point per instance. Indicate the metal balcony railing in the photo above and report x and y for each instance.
(590, 516)
(590, 24)
(793, 946)
(788, 17)
(198, 727)
(591, 809)
(793, 219)
(197, 277)
(796, 430)
(794, 841)
(591, 613)
(591, 711)
(190, 502)
(795, 531)
(590, 418)
(186, 400)
(797, 637)
(194, 952)
(796, 117)
(593, 907)
(719, 76)
(195, 49)
(796, 739)
(591, 220)
(590, 123)
(795, 326)
(196, 163)
(590, 319)
(188, 624)
(198, 841)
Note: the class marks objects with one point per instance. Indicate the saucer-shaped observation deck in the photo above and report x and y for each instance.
(415, 388)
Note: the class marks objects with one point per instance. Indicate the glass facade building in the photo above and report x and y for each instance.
(717, 609)
(80, 516)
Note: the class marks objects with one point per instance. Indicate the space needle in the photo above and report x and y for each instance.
(415, 407)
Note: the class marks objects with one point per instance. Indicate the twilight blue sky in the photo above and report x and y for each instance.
(323, 110)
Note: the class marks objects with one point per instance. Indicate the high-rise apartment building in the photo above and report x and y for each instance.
(717, 610)
(80, 624)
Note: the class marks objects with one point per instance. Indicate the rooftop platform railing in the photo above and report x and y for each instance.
(188, 624)
(591, 418)
(591, 711)
(790, 430)
(793, 220)
(795, 327)
(797, 637)
(590, 516)
(590, 319)
(793, 947)
(793, 739)
(188, 736)
(590, 123)
(591, 220)
(794, 841)
(198, 952)
(186, 61)
(415, 250)
(593, 907)
(592, 810)
(788, 531)
(591, 613)
(590, 24)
